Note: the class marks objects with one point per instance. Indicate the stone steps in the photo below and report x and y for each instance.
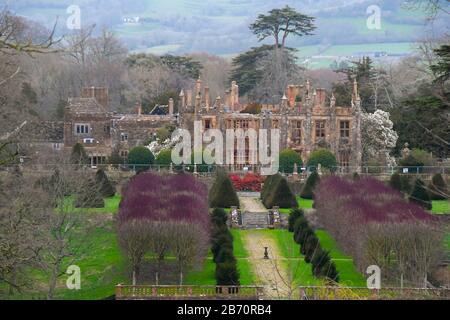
(255, 220)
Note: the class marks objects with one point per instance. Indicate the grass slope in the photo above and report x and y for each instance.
(440, 206)
(111, 206)
(302, 203)
(241, 254)
(348, 274)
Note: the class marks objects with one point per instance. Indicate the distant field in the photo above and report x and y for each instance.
(159, 50)
(320, 56)
(356, 25)
(350, 49)
(207, 18)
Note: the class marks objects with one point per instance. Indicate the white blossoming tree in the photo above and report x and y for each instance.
(157, 146)
(378, 136)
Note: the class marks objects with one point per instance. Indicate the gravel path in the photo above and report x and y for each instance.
(251, 204)
(270, 273)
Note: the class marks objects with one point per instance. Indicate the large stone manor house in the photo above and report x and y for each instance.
(307, 118)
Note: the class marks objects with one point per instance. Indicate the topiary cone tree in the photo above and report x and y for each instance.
(293, 216)
(420, 195)
(105, 186)
(222, 193)
(89, 196)
(311, 183)
(438, 188)
(268, 185)
(227, 274)
(281, 196)
(396, 182)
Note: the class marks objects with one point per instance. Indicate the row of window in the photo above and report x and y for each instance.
(83, 129)
(320, 131)
(320, 125)
(239, 158)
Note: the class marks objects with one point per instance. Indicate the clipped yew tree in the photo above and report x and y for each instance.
(311, 183)
(280, 195)
(396, 182)
(406, 183)
(438, 188)
(295, 214)
(323, 267)
(89, 196)
(420, 195)
(269, 183)
(106, 188)
(324, 157)
(222, 193)
(227, 274)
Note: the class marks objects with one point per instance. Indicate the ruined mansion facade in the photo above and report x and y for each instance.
(307, 118)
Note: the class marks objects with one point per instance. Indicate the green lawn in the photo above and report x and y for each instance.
(447, 241)
(291, 259)
(103, 267)
(302, 203)
(241, 254)
(295, 261)
(347, 272)
(204, 276)
(111, 206)
(441, 206)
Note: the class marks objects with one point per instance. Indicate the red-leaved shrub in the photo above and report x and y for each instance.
(250, 182)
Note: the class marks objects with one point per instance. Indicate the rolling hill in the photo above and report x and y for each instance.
(221, 26)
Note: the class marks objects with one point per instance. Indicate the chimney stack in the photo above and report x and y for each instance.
(233, 92)
(355, 95)
(320, 97)
(207, 102)
(170, 106)
(139, 108)
(291, 95)
(100, 94)
(182, 100)
(308, 89)
(189, 98)
(219, 103)
(198, 103)
(228, 98)
(198, 86)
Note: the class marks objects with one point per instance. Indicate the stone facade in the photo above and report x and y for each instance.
(307, 118)
(88, 121)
